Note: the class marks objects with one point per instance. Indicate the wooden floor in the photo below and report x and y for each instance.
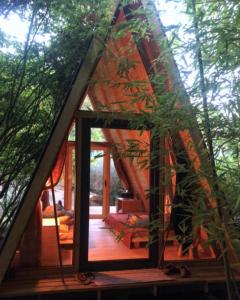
(203, 277)
(104, 246)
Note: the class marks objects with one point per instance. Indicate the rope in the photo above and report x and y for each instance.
(57, 229)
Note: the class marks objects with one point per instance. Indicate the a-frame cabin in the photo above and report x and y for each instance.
(125, 193)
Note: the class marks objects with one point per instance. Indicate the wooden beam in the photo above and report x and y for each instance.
(68, 180)
(94, 145)
(82, 200)
(101, 146)
(108, 116)
(47, 160)
(77, 206)
(106, 183)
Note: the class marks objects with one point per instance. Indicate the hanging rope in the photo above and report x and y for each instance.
(57, 229)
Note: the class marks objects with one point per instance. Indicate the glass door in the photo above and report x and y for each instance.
(115, 224)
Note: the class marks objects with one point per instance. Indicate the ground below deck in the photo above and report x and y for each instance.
(48, 285)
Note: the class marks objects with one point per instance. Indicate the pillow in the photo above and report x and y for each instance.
(138, 221)
(63, 228)
(49, 212)
(67, 220)
(69, 213)
(142, 223)
(132, 219)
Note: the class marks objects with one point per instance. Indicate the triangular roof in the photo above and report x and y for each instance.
(94, 66)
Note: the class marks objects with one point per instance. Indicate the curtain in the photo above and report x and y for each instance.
(58, 167)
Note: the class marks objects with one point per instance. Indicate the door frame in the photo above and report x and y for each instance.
(84, 122)
(105, 147)
(69, 174)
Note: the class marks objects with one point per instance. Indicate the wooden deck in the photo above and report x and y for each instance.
(204, 277)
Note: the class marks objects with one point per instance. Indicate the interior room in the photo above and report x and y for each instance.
(119, 218)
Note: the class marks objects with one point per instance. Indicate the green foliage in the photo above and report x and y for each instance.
(35, 78)
(210, 43)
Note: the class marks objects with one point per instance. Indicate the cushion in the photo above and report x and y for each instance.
(49, 212)
(63, 228)
(67, 220)
(138, 221)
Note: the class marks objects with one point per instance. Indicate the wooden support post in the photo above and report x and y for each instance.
(160, 206)
(155, 291)
(68, 180)
(78, 193)
(74, 179)
(99, 295)
(106, 183)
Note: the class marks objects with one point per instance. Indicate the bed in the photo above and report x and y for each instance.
(132, 235)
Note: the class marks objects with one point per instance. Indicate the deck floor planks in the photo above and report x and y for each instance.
(109, 280)
(43, 286)
(130, 277)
